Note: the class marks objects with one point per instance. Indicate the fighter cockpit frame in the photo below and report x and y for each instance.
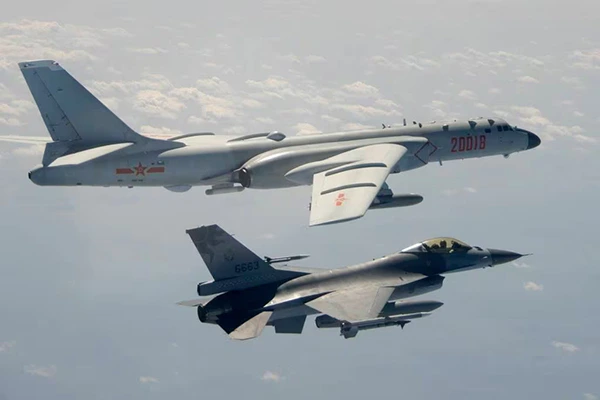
(439, 245)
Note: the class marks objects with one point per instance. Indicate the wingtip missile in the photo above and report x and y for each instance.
(274, 260)
(351, 329)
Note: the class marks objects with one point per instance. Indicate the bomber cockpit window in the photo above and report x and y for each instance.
(445, 245)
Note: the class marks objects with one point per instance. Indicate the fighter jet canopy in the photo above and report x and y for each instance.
(439, 245)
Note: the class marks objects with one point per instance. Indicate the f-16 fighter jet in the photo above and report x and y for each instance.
(91, 146)
(251, 293)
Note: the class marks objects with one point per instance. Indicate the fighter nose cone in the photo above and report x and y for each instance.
(533, 140)
(503, 256)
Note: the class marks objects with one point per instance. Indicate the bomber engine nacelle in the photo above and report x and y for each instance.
(269, 170)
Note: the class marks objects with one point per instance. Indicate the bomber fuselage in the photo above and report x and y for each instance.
(261, 162)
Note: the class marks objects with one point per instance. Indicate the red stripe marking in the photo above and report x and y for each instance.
(121, 171)
(152, 170)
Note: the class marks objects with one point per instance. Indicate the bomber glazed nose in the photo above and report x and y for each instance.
(533, 140)
(503, 256)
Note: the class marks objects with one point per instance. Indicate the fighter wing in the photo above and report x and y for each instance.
(354, 304)
(347, 191)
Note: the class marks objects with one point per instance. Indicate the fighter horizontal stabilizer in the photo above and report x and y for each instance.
(240, 327)
(192, 303)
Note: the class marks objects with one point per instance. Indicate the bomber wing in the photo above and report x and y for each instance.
(346, 192)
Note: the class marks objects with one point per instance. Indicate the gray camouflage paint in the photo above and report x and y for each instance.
(413, 271)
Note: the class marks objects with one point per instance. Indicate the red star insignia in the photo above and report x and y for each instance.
(140, 170)
(340, 199)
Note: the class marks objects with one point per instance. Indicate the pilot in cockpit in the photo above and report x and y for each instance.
(445, 245)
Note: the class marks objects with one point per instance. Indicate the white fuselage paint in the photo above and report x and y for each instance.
(212, 159)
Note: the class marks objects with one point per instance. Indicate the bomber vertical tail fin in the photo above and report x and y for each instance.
(71, 113)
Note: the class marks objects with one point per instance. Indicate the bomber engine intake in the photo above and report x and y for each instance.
(244, 177)
(263, 175)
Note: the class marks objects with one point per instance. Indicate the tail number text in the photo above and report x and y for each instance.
(468, 143)
(246, 267)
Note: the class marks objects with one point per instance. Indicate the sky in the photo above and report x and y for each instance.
(90, 276)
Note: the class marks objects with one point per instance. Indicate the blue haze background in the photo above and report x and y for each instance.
(90, 276)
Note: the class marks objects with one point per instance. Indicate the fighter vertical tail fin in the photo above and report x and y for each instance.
(69, 110)
(224, 256)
